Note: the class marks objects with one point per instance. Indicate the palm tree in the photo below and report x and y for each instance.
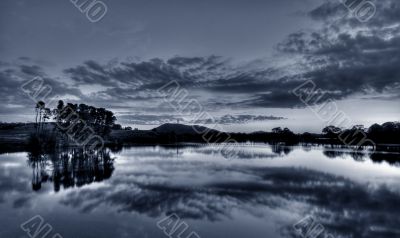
(40, 105)
(58, 110)
(46, 115)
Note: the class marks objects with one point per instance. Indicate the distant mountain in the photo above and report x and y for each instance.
(180, 129)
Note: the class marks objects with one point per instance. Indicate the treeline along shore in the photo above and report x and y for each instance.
(72, 124)
(17, 136)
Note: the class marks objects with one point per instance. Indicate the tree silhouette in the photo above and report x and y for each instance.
(40, 106)
(331, 131)
(277, 130)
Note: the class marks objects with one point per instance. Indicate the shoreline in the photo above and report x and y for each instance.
(16, 138)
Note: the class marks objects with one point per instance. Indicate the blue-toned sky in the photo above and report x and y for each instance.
(239, 59)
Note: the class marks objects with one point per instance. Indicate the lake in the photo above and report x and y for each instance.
(263, 192)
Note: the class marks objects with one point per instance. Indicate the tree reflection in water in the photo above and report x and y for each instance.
(281, 149)
(70, 167)
(333, 152)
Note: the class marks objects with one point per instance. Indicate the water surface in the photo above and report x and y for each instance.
(262, 193)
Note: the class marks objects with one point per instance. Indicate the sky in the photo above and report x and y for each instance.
(241, 61)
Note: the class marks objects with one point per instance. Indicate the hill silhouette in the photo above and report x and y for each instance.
(180, 129)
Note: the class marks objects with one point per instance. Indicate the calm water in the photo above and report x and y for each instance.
(260, 194)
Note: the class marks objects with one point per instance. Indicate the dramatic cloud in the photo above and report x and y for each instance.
(16, 101)
(347, 55)
(343, 57)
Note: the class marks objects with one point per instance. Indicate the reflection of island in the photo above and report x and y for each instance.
(70, 168)
(343, 206)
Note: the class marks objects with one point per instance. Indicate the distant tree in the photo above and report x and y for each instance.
(358, 127)
(288, 134)
(99, 119)
(375, 129)
(354, 136)
(287, 130)
(388, 132)
(117, 127)
(331, 131)
(277, 130)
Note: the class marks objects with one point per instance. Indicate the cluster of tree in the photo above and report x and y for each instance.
(80, 124)
(388, 133)
(99, 119)
(119, 127)
(42, 114)
(277, 135)
(284, 134)
(72, 118)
